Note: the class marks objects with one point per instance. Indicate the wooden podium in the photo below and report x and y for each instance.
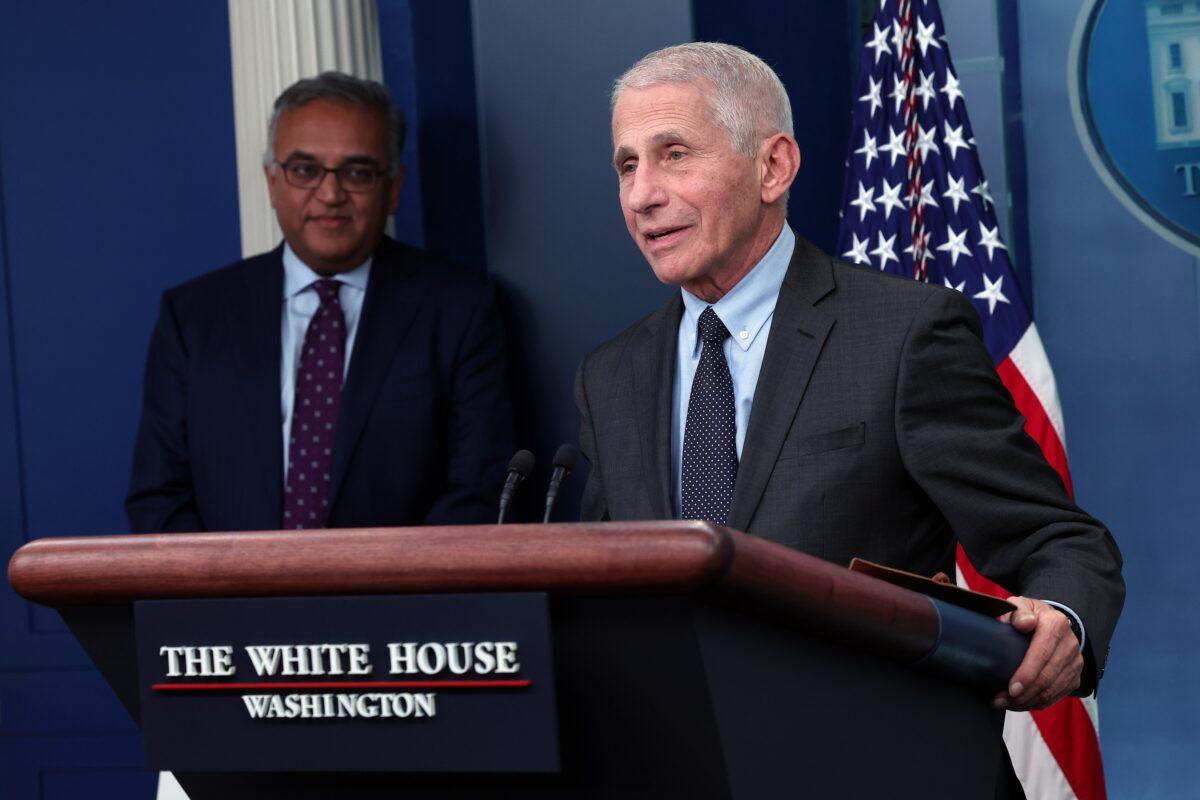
(689, 660)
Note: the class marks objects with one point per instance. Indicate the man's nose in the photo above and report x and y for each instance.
(330, 190)
(645, 191)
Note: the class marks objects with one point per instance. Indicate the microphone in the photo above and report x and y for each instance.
(564, 462)
(518, 470)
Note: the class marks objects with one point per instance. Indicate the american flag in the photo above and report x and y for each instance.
(916, 203)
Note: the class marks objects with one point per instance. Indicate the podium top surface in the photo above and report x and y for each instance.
(626, 558)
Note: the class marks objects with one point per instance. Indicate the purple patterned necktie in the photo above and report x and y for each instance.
(315, 413)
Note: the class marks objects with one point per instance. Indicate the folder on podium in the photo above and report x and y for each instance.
(665, 659)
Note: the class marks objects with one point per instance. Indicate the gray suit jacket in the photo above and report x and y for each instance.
(879, 429)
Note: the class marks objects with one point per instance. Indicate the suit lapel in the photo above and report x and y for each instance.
(389, 308)
(798, 332)
(654, 375)
(255, 323)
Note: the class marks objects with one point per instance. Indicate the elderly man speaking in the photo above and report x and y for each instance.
(820, 405)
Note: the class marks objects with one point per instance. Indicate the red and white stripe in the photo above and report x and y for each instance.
(1056, 751)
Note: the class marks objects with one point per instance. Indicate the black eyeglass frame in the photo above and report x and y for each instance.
(376, 173)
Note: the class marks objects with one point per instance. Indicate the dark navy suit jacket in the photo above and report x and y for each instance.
(426, 420)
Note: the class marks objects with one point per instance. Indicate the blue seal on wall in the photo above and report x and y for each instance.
(1135, 93)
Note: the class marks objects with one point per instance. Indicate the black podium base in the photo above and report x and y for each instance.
(666, 697)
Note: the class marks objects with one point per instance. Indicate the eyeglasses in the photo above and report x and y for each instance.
(351, 177)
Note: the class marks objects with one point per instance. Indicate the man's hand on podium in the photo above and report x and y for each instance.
(1052, 667)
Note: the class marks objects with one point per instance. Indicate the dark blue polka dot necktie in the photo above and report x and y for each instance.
(315, 413)
(710, 461)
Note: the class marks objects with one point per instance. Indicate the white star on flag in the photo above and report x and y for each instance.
(865, 201)
(954, 139)
(950, 285)
(879, 43)
(990, 238)
(872, 96)
(950, 88)
(926, 196)
(925, 141)
(897, 38)
(956, 192)
(895, 145)
(869, 151)
(982, 191)
(886, 250)
(925, 90)
(858, 251)
(889, 197)
(992, 293)
(898, 93)
(955, 245)
(925, 36)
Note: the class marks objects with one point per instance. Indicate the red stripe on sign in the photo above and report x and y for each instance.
(1037, 423)
(279, 687)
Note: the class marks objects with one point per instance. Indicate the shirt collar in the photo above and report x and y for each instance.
(747, 307)
(298, 276)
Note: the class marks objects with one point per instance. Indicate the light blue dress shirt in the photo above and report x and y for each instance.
(746, 311)
(300, 302)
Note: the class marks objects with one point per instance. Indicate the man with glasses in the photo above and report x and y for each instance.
(340, 380)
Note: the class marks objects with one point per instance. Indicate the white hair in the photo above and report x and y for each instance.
(747, 98)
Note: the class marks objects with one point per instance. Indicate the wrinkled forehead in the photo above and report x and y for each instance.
(644, 111)
(698, 90)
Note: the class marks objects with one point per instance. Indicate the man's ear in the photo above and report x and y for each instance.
(779, 158)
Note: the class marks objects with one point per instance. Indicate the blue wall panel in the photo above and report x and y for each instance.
(396, 46)
(118, 179)
(448, 129)
(428, 65)
(1118, 313)
(556, 242)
